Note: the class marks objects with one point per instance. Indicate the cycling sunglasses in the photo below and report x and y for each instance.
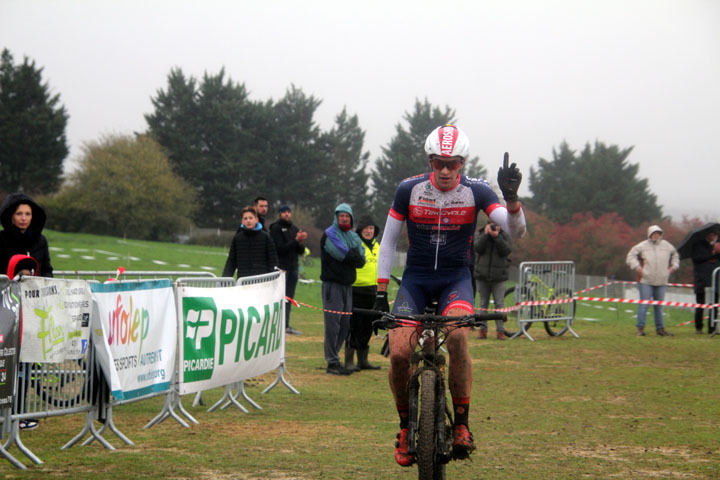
(451, 165)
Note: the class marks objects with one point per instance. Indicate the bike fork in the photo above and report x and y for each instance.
(413, 413)
(442, 450)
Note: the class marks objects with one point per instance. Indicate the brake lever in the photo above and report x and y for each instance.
(386, 322)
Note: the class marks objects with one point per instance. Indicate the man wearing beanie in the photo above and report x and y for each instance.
(288, 240)
(341, 252)
(653, 260)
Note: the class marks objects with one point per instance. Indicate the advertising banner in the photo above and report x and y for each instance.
(135, 335)
(229, 334)
(56, 319)
(9, 336)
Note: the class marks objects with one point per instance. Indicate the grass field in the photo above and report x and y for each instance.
(606, 405)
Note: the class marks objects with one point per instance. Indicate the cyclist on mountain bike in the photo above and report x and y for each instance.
(440, 209)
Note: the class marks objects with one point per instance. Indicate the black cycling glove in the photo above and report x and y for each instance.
(381, 302)
(509, 178)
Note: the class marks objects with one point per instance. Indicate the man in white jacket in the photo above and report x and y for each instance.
(654, 260)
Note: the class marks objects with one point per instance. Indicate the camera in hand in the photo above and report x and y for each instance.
(493, 227)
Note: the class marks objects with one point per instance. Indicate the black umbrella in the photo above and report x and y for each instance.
(697, 235)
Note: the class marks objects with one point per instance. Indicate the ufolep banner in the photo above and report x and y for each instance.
(135, 336)
(56, 319)
(230, 334)
(9, 334)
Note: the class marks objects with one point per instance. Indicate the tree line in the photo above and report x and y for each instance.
(209, 148)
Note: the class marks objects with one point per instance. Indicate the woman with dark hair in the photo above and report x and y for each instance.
(252, 251)
(23, 221)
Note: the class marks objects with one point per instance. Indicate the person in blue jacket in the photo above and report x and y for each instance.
(341, 253)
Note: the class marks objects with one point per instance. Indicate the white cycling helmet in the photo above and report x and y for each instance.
(447, 141)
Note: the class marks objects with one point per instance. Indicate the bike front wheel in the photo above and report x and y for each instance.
(429, 466)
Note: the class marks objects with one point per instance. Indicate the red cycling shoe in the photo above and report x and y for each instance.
(401, 449)
(463, 443)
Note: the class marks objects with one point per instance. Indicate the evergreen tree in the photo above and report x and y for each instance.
(292, 169)
(209, 133)
(600, 180)
(347, 178)
(32, 129)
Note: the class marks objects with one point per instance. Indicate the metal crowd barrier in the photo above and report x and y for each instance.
(546, 282)
(280, 377)
(53, 389)
(78, 386)
(713, 298)
(231, 397)
(172, 398)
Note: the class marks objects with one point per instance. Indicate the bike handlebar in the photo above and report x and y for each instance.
(387, 320)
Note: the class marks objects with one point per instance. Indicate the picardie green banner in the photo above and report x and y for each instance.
(229, 334)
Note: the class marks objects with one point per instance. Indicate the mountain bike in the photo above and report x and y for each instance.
(536, 289)
(430, 419)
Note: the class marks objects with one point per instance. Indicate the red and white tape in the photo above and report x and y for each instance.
(648, 302)
(617, 282)
(555, 302)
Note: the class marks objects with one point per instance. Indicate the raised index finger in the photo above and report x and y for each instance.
(506, 160)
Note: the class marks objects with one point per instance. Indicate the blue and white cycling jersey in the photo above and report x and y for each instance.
(441, 224)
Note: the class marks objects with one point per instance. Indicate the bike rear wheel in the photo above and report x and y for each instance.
(555, 328)
(429, 468)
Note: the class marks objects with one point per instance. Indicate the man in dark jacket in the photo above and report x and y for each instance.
(289, 244)
(706, 258)
(23, 221)
(342, 252)
(492, 248)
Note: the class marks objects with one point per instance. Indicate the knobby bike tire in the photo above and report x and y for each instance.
(429, 468)
(555, 329)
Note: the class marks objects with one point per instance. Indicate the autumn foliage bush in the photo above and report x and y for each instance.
(597, 245)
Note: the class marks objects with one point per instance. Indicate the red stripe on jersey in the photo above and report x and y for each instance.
(448, 216)
(492, 208)
(396, 215)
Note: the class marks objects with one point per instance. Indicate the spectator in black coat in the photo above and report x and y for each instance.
(23, 221)
(252, 251)
(288, 240)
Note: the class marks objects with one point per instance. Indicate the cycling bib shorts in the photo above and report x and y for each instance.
(451, 287)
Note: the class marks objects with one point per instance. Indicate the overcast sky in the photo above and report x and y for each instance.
(522, 75)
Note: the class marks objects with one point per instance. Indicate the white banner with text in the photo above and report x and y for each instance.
(229, 334)
(55, 319)
(135, 336)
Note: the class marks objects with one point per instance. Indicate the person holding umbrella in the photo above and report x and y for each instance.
(701, 245)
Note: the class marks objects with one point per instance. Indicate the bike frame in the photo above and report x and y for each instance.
(431, 332)
(427, 356)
